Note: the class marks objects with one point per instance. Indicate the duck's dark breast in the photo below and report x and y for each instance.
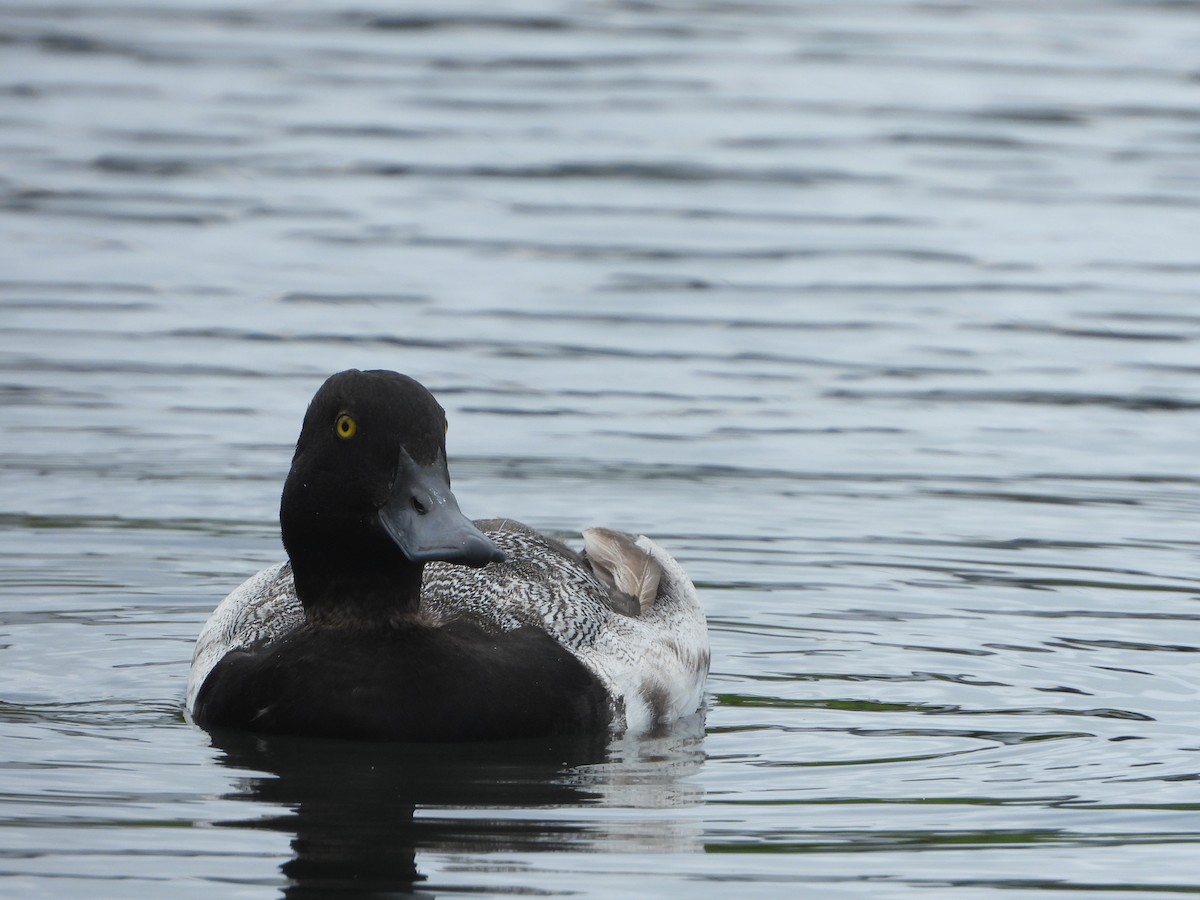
(413, 683)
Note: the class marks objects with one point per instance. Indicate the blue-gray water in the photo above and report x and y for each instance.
(882, 316)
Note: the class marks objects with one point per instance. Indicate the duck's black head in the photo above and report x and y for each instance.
(367, 501)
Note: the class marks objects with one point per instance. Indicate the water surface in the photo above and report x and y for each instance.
(882, 317)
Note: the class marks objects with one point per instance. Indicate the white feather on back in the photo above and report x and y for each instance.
(622, 565)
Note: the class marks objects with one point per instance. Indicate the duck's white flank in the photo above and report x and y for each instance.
(656, 663)
(262, 608)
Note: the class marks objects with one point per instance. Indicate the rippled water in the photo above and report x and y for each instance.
(882, 316)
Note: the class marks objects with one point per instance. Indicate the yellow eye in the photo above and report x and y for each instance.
(346, 427)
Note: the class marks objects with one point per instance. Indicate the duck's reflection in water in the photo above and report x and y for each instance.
(361, 813)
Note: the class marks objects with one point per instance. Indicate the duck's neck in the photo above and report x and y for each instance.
(360, 597)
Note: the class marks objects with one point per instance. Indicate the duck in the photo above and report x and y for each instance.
(396, 617)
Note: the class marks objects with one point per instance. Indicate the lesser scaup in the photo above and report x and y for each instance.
(396, 617)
